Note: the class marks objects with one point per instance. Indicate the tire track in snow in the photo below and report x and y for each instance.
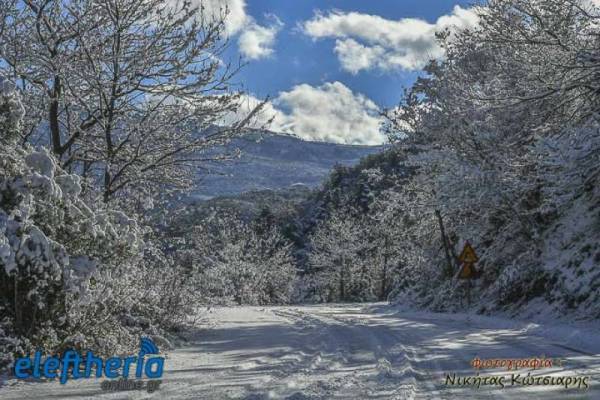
(389, 368)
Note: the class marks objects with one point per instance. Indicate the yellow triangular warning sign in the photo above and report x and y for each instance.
(468, 254)
(467, 271)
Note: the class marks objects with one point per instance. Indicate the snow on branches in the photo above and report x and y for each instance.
(59, 257)
(507, 147)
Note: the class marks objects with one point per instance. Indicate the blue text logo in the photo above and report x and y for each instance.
(74, 365)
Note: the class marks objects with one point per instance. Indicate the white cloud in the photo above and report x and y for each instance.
(369, 41)
(330, 112)
(354, 56)
(257, 41)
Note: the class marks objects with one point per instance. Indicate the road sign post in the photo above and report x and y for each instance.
(467, 260)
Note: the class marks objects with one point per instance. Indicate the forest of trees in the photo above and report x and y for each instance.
(110, 107)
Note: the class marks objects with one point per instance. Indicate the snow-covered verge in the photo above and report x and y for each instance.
(353, 351)
(581, 336)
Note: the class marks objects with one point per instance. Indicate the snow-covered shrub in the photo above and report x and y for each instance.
(171, 292)
(65, 265)
(240, 262)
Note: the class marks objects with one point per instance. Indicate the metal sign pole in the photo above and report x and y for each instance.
(468, 293)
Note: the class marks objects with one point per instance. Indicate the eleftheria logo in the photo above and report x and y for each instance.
(73, 365)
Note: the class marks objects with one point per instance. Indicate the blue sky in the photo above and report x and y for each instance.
(325, 63)
(299, 59)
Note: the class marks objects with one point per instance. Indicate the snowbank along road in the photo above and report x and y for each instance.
(355, 351)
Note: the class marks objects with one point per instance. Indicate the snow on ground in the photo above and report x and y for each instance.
(352, 351)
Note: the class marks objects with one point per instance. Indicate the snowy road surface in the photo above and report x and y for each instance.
(354, 352)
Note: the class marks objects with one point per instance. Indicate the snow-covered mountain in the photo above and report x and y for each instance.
(275, 161)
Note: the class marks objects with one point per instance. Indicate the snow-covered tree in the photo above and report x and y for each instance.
(337, 260)
(389, 248)
(132, 93)
(492, 131)
(242, 262)
(66, 267)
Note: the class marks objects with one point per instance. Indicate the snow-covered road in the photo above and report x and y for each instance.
(356, 352)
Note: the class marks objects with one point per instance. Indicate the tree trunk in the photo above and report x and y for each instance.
(383, 289)
(384, 271)
(53, 118)
(106, 184)
(16, 297)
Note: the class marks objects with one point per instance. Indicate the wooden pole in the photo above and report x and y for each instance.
(445, 243)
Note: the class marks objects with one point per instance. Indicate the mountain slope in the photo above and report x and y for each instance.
(273, 161)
